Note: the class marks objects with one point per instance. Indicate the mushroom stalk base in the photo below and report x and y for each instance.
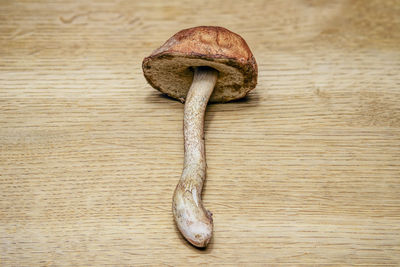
(192, 219)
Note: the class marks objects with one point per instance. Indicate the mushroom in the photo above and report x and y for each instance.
(195, 66)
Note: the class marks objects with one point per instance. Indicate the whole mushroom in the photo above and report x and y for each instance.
(199, 65)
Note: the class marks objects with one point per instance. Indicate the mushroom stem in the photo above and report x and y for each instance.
(192, 219)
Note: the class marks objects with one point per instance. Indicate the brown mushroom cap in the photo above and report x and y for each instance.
(169, 69)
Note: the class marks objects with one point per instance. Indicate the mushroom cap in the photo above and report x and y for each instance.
(169, 68)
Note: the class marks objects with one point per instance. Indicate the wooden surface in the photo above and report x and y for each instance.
(306, 170)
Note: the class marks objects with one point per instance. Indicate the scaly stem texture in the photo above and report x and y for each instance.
(192, 219)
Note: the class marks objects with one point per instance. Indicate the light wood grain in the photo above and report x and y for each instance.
(305, 171)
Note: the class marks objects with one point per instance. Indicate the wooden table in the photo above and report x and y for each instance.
(305, 171)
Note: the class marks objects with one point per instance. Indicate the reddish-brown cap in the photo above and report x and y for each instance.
(169, 68)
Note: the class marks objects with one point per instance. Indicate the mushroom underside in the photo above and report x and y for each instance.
(173, 75)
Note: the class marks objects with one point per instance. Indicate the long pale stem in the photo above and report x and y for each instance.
(192, 219)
